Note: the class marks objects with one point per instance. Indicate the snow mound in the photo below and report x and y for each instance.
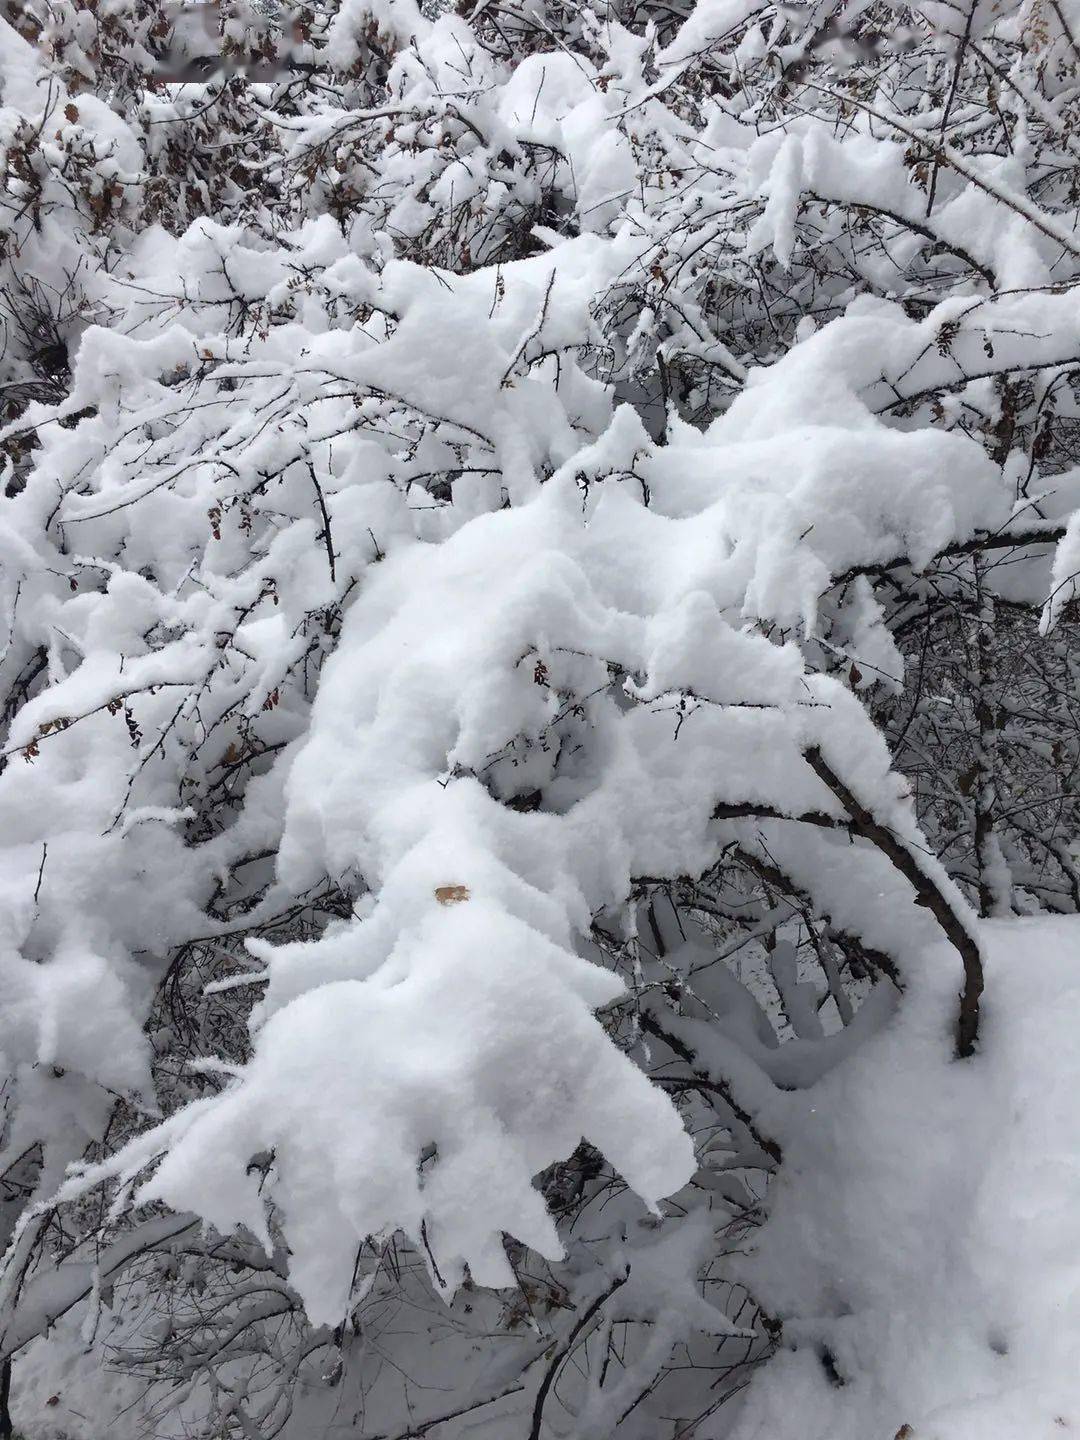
(923, 1248)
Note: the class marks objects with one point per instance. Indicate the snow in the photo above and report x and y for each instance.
(504, 1072)
(923, 1230)
(500, 498)
(435, 707)
(62, 1389)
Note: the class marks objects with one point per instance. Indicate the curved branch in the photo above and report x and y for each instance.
(945, 911)
(1048, 534)
(53, 1293)
(564, 1350)
(748, 810)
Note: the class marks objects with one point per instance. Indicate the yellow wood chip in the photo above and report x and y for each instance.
(451, 894)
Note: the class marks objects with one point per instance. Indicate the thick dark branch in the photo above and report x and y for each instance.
(747, 810)
(919, 229)
(326, 535)
(564, 1350)
(990, 540)
(946, 912)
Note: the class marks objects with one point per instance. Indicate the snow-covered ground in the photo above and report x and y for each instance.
(924, 1233)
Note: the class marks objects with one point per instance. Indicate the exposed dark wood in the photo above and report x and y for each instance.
(944, 910)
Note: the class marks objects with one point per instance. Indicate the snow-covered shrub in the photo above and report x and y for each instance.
(539, 612)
